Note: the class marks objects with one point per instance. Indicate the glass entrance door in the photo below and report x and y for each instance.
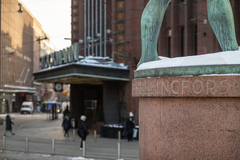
(90, 112)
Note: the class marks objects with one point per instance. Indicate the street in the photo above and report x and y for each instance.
(41, 131)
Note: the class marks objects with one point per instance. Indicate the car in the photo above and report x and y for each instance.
(27, 107)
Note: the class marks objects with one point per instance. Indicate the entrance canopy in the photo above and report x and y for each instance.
(82, 73)
(68, 67)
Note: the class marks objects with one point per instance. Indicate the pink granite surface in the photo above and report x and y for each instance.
(187, 128)
(198, 86)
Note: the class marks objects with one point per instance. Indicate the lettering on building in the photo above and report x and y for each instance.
(64, 56)
(18, 54)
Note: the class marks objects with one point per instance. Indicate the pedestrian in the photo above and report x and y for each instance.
(66, 125)
(82, 132)
(8, 125)
(129, 127)
(65, 112)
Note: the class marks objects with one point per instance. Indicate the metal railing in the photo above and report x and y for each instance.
(55, 147)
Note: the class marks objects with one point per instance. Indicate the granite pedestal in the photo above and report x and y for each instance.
(186, 118)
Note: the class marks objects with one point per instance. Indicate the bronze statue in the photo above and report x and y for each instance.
(220, 17)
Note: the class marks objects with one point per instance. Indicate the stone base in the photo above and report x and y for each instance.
(189, 125)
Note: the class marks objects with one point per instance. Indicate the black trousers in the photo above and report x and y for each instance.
(66, 132)
(130, 136)
(83, 139)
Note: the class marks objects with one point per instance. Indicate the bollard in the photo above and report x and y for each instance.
(95, 136)
(119, 151)
(26, 146)
(119, 136)
(84, 149)
(53, 147)
(74, 134)
(4, 142)
(73, 125)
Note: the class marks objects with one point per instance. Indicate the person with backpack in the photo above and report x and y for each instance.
(129, 127)
(82, 131)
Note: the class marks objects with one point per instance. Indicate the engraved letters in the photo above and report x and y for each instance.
(163, 87)
(195, 83)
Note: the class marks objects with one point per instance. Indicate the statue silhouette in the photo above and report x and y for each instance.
(220, 17)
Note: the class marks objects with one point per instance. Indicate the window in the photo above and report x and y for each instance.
(169, 43)
(24, 106)
(195, 39)
(182, 41)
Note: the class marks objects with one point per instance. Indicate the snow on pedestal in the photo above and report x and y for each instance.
(219, 58)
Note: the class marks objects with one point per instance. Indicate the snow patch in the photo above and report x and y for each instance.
(162, 57)
(105, 62)
(113, 125)
(79, 158)
(88, 61)
(219, 58)
(232, 74)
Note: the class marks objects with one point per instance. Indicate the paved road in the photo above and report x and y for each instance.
(40, 133)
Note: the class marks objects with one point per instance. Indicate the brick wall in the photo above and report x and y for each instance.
(190, 15)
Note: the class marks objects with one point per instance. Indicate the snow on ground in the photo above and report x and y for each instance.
(22, 155)
(79, 158)
(220, 58)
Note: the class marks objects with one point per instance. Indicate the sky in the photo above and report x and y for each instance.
(55, 18)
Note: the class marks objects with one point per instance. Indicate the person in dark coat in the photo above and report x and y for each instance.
(66, 112)
(129, 127)
(83, 132)
(66, 125)
(8, 125)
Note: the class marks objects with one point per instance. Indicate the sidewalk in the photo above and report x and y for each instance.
(40, 133)
(7, 155)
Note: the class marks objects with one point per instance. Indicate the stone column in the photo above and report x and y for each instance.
(110, 102)
(183, 118)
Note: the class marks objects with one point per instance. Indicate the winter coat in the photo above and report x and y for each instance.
(130, 125)
(66, 124)
(66, 112)
(8, 123)
(82, 132)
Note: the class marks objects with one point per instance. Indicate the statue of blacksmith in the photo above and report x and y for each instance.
(220, 17)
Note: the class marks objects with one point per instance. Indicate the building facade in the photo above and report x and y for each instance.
(106, 29)
(19, 56)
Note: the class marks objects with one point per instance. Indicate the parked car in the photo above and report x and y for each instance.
(27, 107)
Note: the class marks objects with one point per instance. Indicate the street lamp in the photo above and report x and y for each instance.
(80, 41)
(109, 31)
(20, 8)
